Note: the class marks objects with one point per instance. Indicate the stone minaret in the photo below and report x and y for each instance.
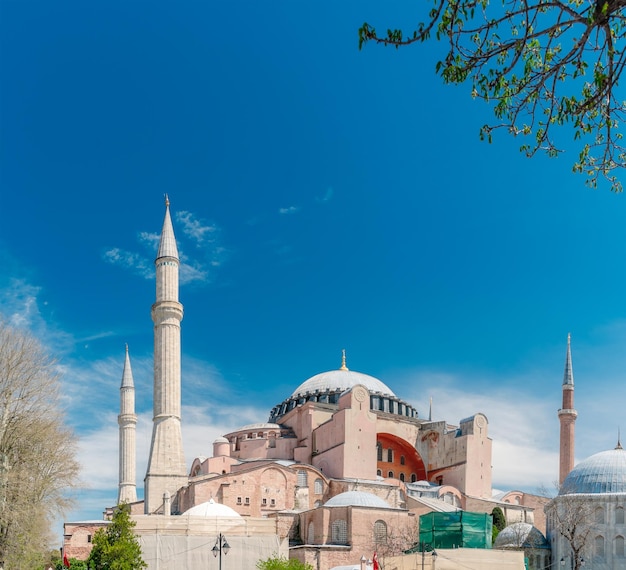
(166, 465)
(567, 418)
(127, 421)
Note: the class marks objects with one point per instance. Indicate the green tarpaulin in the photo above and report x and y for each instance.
(455, 530)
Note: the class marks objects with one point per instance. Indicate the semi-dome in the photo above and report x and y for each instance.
(342, 379)
(520, 535)
(604, 472)
(212, 509)
(357, 499)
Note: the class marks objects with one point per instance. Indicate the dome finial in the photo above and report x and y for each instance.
(343, 360)
(619, 442)
(167, 201)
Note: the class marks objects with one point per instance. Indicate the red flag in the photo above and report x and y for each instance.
(375, 561)
(66, 562)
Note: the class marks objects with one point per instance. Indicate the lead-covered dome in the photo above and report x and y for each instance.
(212, 509)
(604, 472)
(357, 499)
(520, 535)
(342, 380)
(326, 388)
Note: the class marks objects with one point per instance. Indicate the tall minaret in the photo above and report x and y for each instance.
(166, 465)
(567, 418)
(127, 421)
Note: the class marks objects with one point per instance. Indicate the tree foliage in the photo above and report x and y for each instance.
(280, 563)
(116, 547)
(499, 522)
(37, 450)
(543, 63)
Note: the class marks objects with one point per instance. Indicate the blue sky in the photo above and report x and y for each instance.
(323, 198)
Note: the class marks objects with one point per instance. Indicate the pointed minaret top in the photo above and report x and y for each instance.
(167, 245)
(568, 375)
(127, 375)
(343, 360)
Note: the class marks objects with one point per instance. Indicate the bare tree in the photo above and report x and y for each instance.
(571, 516)
(543, 63)
(37, 450)
(394, 540)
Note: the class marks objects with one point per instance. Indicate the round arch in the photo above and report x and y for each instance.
(398, 456)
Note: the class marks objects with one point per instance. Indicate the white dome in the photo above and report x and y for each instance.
(341, 380)
(357, 499)
(257, 426)
(520, 535)
(212, 509)
(604, 472)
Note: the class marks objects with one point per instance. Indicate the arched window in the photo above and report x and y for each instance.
(413, 477)
(390, 455)
(619, 546)
(402, 477)
(390, 474)
(339, 532)
(379, 473)
(379, 451)
(380, 533)
(302, 479)
(310, 537)
(319, 487)
(598, 545)
(599, 515)
(402, 460)
(619, 515)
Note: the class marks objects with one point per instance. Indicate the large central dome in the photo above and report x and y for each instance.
(326, 388)
(341, 379)
(604, 472)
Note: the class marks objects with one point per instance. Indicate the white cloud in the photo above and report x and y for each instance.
(192, 273)
(193, 234)
(289, 210)
(137, 263)
(150, 240)
(201, 233)
(20, 306)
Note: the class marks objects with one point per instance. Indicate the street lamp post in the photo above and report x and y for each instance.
(433, 554)
(220, 546)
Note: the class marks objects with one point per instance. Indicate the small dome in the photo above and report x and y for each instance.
(261, 425)
(604, 472)
(212, 509)
(520, 535)
(341, 379)
(220, 440)
(357, 499)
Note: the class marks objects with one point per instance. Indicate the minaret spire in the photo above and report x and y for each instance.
(166, 465)
(127, 420)
(567, 417)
